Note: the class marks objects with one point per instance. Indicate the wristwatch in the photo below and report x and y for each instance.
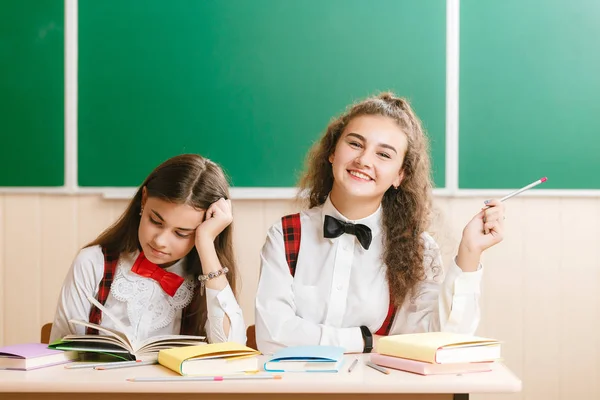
(368, 338)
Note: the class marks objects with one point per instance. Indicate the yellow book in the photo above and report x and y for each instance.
(210, 359)
(440, 347)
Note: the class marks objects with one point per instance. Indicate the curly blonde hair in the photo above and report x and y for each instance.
(406, 210)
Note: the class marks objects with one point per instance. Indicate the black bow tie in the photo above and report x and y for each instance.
(333, 228)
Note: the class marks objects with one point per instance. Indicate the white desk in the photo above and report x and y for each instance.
(55, 383)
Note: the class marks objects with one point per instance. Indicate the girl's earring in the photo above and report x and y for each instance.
(141, 210)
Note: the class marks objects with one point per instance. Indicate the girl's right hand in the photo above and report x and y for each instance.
(217, 218)
(486, 228)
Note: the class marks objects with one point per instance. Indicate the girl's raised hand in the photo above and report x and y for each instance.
(486, 228)
(217, 218)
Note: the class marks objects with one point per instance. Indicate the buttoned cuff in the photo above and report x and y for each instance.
(221, 302)
(464, 282)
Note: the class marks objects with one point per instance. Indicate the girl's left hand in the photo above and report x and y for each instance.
(217, 218)
(485, 229)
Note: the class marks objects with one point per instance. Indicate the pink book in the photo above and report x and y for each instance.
(29, 356)
(424, 368)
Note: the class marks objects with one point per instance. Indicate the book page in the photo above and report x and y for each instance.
(122, 328)
(156, 343)
(110, 335)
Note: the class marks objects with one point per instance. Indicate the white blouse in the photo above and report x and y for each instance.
(339, 286)
(138, 302)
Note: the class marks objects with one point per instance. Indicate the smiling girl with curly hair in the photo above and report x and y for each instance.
(358, 263)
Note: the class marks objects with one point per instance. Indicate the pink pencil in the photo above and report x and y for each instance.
(516, 192)
(202, 378)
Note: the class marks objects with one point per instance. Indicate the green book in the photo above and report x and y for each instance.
(117, 344)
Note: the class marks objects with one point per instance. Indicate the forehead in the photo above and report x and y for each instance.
(378, 128)
(179, 215)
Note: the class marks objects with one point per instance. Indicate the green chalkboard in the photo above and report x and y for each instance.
(32, 92)
(529, 87)
(248, 83)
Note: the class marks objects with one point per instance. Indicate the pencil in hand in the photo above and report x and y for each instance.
(524, 188)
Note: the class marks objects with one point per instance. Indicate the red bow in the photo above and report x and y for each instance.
(169, 281)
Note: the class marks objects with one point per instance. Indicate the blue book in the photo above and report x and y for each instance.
(306, 359)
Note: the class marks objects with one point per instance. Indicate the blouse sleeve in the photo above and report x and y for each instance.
(219, 304)
(81, 281)
(442, 302)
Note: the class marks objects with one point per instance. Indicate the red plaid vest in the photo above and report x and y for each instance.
(292, 229)
(110, 265)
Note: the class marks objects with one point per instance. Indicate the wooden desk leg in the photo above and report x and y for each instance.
(461, 396)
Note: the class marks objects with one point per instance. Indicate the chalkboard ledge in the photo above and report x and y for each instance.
(257, 193)
(287, 193)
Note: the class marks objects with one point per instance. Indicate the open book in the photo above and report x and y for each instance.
(120, 345)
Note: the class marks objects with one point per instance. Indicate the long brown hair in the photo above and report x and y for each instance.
(185, 179)
(406, 210)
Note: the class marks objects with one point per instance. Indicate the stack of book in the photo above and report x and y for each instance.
(435, 353)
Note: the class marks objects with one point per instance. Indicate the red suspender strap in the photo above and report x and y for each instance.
(291, 238)
(110, 265)
(387, 323)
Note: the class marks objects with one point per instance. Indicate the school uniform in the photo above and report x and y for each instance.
(147, 303)
(332, 286)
